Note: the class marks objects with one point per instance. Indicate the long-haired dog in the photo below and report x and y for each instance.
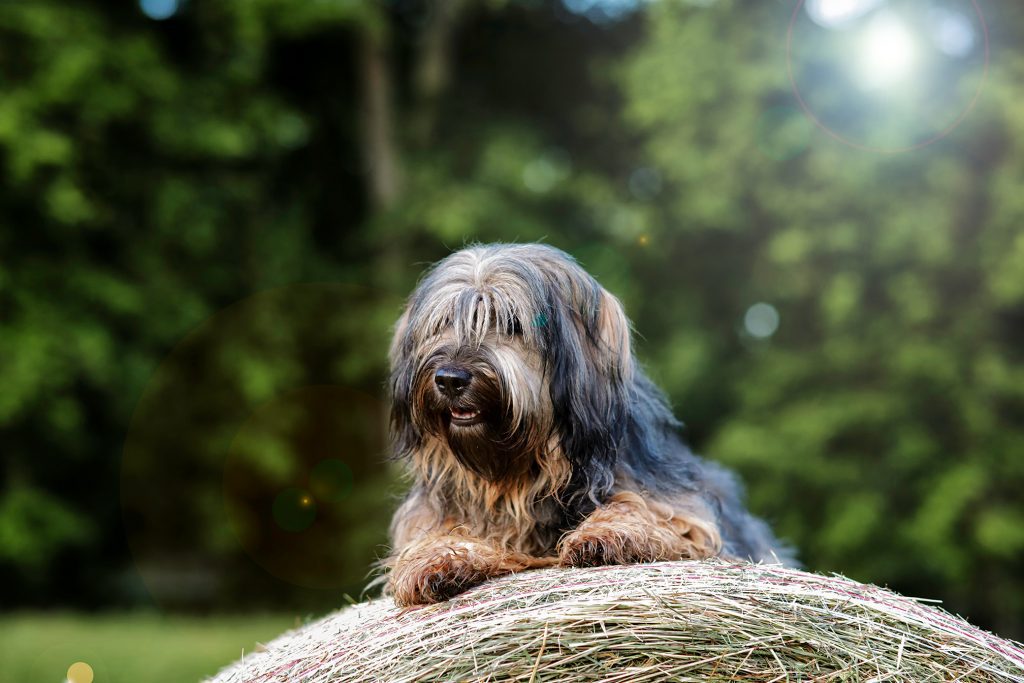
(534, 438)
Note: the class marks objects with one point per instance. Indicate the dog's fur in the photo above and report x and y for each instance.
(573, 457)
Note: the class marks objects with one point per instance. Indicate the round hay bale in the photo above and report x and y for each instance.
(679, 621)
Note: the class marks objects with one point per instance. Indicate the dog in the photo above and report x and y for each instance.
(534, 438)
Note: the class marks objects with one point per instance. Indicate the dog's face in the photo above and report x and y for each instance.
(483, 397)
(506, 355)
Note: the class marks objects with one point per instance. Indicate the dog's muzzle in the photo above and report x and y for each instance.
(453, 383)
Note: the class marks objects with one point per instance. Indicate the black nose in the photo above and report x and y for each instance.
(451, 381)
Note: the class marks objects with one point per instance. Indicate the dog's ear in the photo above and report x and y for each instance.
(398, 336)
(404, 436)
(589, 358)
(613, 345)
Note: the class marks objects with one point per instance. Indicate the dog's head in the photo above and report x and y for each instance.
(507, 355)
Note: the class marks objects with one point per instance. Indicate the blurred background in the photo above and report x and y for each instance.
(211, 211)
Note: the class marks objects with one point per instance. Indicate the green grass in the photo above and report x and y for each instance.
(127, 648)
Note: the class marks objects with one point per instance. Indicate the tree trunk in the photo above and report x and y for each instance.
(380, 149)
(434, 67)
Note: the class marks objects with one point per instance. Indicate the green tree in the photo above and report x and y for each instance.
(880, 427)
(154, 173)
(207, 225)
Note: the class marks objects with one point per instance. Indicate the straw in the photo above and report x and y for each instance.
(678, 621)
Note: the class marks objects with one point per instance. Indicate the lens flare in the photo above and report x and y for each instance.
(888, 53)
(331, 480)
(887, 76)
(294, 510)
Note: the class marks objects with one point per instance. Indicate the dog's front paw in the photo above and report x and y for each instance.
(579, 550)
(591, 548)
(435, 575)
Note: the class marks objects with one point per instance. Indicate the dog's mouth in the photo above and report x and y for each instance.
(464, 416)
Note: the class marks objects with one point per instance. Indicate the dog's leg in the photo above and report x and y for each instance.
(435, 559)
(439, 567)
(630, 529)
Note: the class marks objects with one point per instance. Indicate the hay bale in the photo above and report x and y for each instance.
(680, 621)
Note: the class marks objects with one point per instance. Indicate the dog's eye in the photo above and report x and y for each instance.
(513, 328)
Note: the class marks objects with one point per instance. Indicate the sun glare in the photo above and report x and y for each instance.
(888, 53)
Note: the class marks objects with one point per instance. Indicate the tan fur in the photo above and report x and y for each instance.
(441, 557)
(441, 566)
(482, 531)
(630, 528)
(505, 511)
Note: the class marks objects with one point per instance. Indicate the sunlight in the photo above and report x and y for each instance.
(888, 53)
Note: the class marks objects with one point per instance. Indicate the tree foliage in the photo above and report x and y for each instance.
(880, 427)
(199, 271)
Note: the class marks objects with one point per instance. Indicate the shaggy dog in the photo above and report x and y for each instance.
(533, 436)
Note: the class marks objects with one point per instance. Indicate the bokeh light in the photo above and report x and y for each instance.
(603, 10)
(952, 32)
(542, 174)
(159, 9)
(838, 13)
(645, 183)
(80, 672)
(761, 321)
